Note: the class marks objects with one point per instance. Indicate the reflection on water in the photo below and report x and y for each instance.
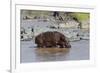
(51, 55)
(29, 53)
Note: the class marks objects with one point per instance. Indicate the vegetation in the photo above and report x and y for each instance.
(80, 16)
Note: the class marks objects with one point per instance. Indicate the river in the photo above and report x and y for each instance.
(78, 51)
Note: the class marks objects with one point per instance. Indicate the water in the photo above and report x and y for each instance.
(79, 51)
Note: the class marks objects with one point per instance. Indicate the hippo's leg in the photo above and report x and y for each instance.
(67, 46)
(64, 45)
(61, 45)
(58, 46)
(54, 45)
(47, 44)
(40, 45)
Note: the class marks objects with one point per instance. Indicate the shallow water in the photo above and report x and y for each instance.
(78, 51)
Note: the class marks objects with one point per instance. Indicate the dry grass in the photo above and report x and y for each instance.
(51, 50)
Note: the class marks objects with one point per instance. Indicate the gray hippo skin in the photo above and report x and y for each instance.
(52, 39)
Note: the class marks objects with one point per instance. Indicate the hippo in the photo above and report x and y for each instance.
(52, 39)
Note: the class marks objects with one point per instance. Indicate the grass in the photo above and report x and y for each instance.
(81, 16)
